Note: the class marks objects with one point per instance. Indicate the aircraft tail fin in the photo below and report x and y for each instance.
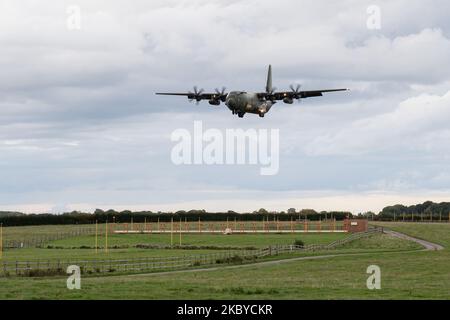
(269, 80)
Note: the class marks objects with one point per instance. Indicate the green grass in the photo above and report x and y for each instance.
(30, 232)
(406, 274)
(70, 248)
(434, 232)
(255, 240)
(89, 254)
(382, 242)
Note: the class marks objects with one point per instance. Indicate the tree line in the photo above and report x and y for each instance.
(427, 210)
(101, 216)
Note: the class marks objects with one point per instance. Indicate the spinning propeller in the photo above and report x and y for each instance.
(196, 95)
(296, 91)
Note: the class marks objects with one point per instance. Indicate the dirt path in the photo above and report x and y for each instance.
(426, 244)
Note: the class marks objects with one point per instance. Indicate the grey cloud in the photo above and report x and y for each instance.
(79, 122)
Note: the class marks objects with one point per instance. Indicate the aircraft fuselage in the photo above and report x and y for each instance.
(240, 102)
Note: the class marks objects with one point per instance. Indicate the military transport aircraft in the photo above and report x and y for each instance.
(241, 102)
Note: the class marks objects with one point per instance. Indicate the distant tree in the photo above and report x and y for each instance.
(99, 211)
(308, 212)
(263, 211)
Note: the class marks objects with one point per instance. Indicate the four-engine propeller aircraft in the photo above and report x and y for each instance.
(241, 102)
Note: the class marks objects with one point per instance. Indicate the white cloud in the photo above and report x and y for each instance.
(79, 122)
(417, 124)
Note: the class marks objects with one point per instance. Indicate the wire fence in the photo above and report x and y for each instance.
(40, 241)
(154, 264)
(276, 226)
(33, 241)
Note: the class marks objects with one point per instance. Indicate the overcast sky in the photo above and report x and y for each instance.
(81, 128)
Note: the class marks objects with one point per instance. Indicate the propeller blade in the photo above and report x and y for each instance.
(196, 94)
(296, 91)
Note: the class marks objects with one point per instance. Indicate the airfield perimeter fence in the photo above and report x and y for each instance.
(42, 240)
(161, 264)
(266, 226)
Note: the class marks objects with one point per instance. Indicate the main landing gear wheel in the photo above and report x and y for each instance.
(261, 115)
(241, 114)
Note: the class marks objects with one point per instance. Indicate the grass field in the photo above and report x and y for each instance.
(434, 232)
(406, 273)
(254, 240)
(29, 232)
(123, 245)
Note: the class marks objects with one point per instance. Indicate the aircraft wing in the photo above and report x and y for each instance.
(197, 96)
(300, 94)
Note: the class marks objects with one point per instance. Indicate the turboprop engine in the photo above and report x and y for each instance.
(214, 102)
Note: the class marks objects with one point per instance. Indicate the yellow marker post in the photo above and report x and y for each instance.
(132, 228)
(1, 240)
(96, 237)
(292, 226)
(180, 231)
(145, 225)
(199, 226)
(171, 233)
(106, 236)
